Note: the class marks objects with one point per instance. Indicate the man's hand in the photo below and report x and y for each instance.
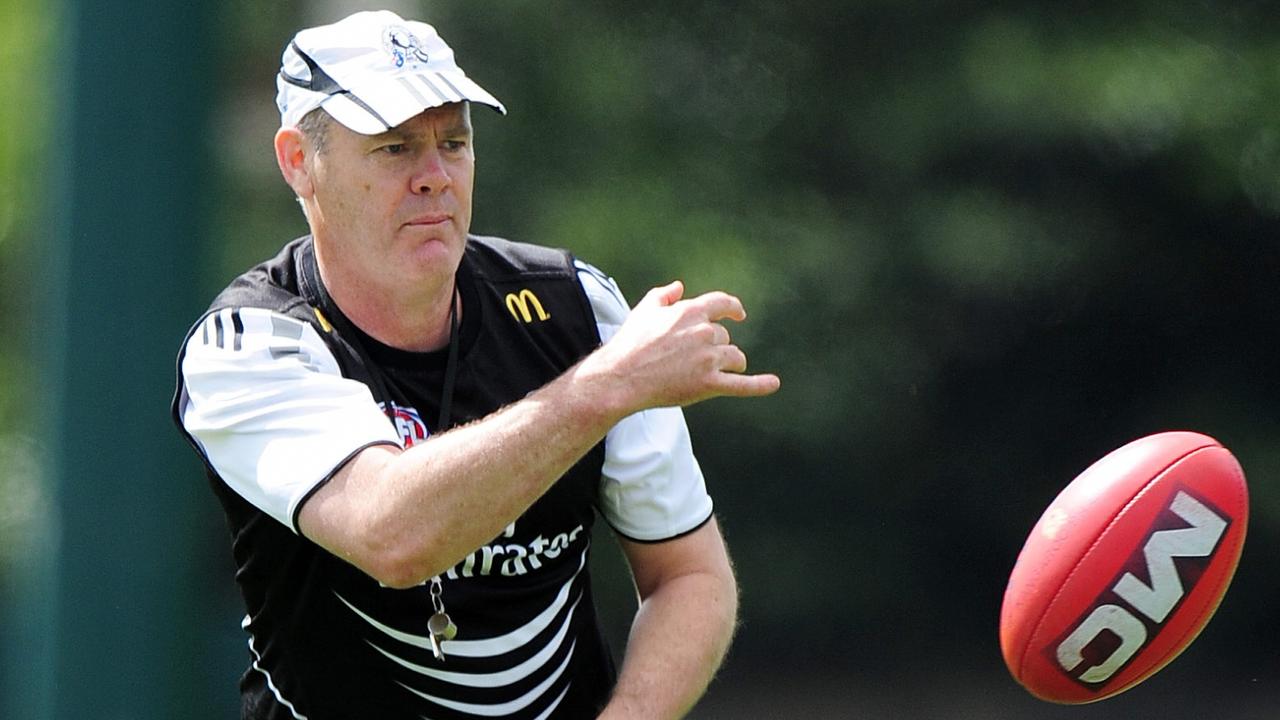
(673, 352)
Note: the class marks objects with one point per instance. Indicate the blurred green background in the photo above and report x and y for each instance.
(983, 243)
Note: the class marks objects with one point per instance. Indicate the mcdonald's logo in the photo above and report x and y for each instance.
(519, 304)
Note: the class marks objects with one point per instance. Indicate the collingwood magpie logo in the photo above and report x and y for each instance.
(525, 306)
(403, 46)
(408, 423)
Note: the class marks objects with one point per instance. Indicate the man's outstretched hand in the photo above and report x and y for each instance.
(672, 351)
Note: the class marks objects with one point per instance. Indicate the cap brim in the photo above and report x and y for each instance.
(377, 107)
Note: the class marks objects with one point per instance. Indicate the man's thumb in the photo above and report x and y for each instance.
(665, 295)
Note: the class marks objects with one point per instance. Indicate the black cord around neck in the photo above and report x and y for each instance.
(451, 366)
(312, 285)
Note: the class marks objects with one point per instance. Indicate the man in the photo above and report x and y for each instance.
(410, 428)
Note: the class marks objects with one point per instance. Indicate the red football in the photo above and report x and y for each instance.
(1124, 568)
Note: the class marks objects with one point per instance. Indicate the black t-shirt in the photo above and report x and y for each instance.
(277, 389)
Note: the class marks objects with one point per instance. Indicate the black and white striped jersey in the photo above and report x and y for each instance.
(276, 390)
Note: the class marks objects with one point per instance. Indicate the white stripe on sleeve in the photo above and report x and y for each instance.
(268, 405)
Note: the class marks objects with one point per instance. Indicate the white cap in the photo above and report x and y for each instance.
(371, 71)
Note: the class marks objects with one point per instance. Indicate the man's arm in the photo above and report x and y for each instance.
(405, 516)
(688, 610)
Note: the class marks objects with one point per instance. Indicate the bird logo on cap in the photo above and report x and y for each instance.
(403, 46)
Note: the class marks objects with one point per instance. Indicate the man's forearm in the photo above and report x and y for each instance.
(679, 638)
(403, 517)
(411, 515)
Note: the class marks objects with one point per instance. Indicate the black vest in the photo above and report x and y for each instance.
(525, 320)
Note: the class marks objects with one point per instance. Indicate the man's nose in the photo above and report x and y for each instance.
(432, 175)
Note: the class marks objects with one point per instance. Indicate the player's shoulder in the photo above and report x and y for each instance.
(261, 307)
(271, 285)
(247, 329)
(501, 259)
(234, 348)
(607, 300)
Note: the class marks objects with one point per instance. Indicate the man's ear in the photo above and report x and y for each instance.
(291, 156)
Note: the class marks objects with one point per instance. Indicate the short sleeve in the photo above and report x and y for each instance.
(266, 403)
(651, 486)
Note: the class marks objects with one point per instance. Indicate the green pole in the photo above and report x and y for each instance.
(125, 610)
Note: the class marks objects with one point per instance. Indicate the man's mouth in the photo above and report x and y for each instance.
(429, 219)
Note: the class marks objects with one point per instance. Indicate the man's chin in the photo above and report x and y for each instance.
(432, 254)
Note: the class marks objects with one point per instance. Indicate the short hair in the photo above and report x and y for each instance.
(314, 126)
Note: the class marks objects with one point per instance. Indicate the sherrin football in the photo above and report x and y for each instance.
(1124, 568)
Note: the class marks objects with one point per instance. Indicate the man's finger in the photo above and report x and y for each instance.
(733, 360)
(663, 296)
(720, 334)
(737, 385)
(720, 306)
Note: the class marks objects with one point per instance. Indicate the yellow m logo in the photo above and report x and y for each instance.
(518, 304)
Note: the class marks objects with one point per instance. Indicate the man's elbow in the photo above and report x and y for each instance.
(394, 573)
(394, 562)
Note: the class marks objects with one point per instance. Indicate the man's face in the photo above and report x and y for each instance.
(395, 206)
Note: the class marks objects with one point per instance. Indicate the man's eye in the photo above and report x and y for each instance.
(393, 148)
(454, 145)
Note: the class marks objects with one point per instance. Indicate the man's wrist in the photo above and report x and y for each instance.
(598, 398)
